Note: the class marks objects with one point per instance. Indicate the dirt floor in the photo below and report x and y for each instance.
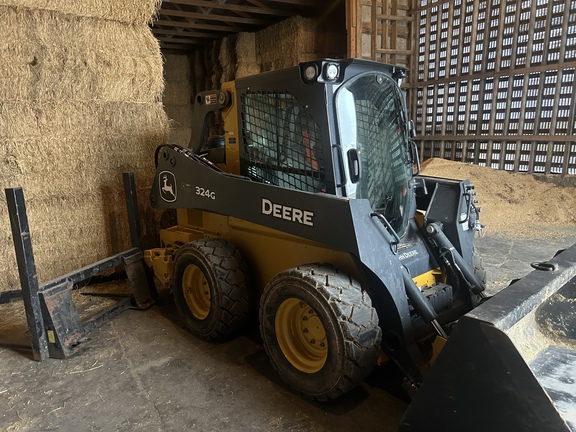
(142, 371)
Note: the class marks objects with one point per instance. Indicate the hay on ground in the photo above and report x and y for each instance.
(520, 205)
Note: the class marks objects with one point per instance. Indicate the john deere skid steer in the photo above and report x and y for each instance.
(309, 211)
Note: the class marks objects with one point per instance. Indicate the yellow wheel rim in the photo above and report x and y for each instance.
(301, 335)
(196, 291)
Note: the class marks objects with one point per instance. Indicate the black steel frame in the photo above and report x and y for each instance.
(55, 327)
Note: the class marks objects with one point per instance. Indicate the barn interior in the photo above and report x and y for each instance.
(90, 89)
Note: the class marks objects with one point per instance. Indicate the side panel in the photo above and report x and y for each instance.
(266, 250)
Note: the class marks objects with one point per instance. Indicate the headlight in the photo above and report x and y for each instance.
(311, 72)
(331, 72)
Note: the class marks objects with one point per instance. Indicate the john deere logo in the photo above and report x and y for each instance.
(167, 183)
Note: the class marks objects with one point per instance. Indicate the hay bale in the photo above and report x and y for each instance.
(247, 69)
(246, 48)
(227, 58)
(247, 60)
(298, 39)
(177, 98)
(134, 12)
(80, 103)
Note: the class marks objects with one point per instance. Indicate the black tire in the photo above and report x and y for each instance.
(210, 289)
(340, 315)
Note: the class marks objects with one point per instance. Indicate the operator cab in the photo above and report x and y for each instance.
(341, 128)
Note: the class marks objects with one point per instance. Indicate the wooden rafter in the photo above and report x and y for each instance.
(183, 24)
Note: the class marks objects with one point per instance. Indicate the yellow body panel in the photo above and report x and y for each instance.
(267, 251)
(430, 278)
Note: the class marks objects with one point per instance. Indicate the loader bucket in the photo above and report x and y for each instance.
(510, 364)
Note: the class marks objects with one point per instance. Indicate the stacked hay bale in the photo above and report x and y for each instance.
(246, 55)
(287, 43)
(177, 98)
(281, 45)
(296, 40)
(80, 103)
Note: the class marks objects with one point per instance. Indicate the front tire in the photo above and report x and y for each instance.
(320, 330)
(210, 288)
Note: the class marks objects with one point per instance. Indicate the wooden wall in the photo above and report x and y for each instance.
(491, 82)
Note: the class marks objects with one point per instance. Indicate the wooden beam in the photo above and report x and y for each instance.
(233, 7)
(542, 138)
(179, 47)
(373, 29)
(447, 86)
(402, 18)
(196, 26)
(308, 3)
(182, 33)
(354, 22)
(188, 41)
(506, 72)
(212, 17)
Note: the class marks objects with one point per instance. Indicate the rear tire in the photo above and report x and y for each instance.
(210, 289)
(320, 330)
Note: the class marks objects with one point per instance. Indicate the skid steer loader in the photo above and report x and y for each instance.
(309, 210)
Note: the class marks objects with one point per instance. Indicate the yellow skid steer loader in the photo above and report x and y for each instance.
(309, 210)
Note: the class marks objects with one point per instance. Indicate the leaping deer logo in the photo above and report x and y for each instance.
(168, 186)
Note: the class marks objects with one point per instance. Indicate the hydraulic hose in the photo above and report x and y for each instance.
(436, 235)
(421, 304)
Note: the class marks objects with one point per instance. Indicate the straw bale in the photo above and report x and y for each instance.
(177, 98)
(80, 58)
(284, 44)
(180, 135)
(227, 55)
(216, 66)
(177, 67)
(177, 92)
(136, 12)
(246, 48)
(80, 103)
(247, 69)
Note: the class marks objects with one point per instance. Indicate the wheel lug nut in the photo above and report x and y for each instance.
(322, 345)
(305, 330)
(304, 318)
(312, 341)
